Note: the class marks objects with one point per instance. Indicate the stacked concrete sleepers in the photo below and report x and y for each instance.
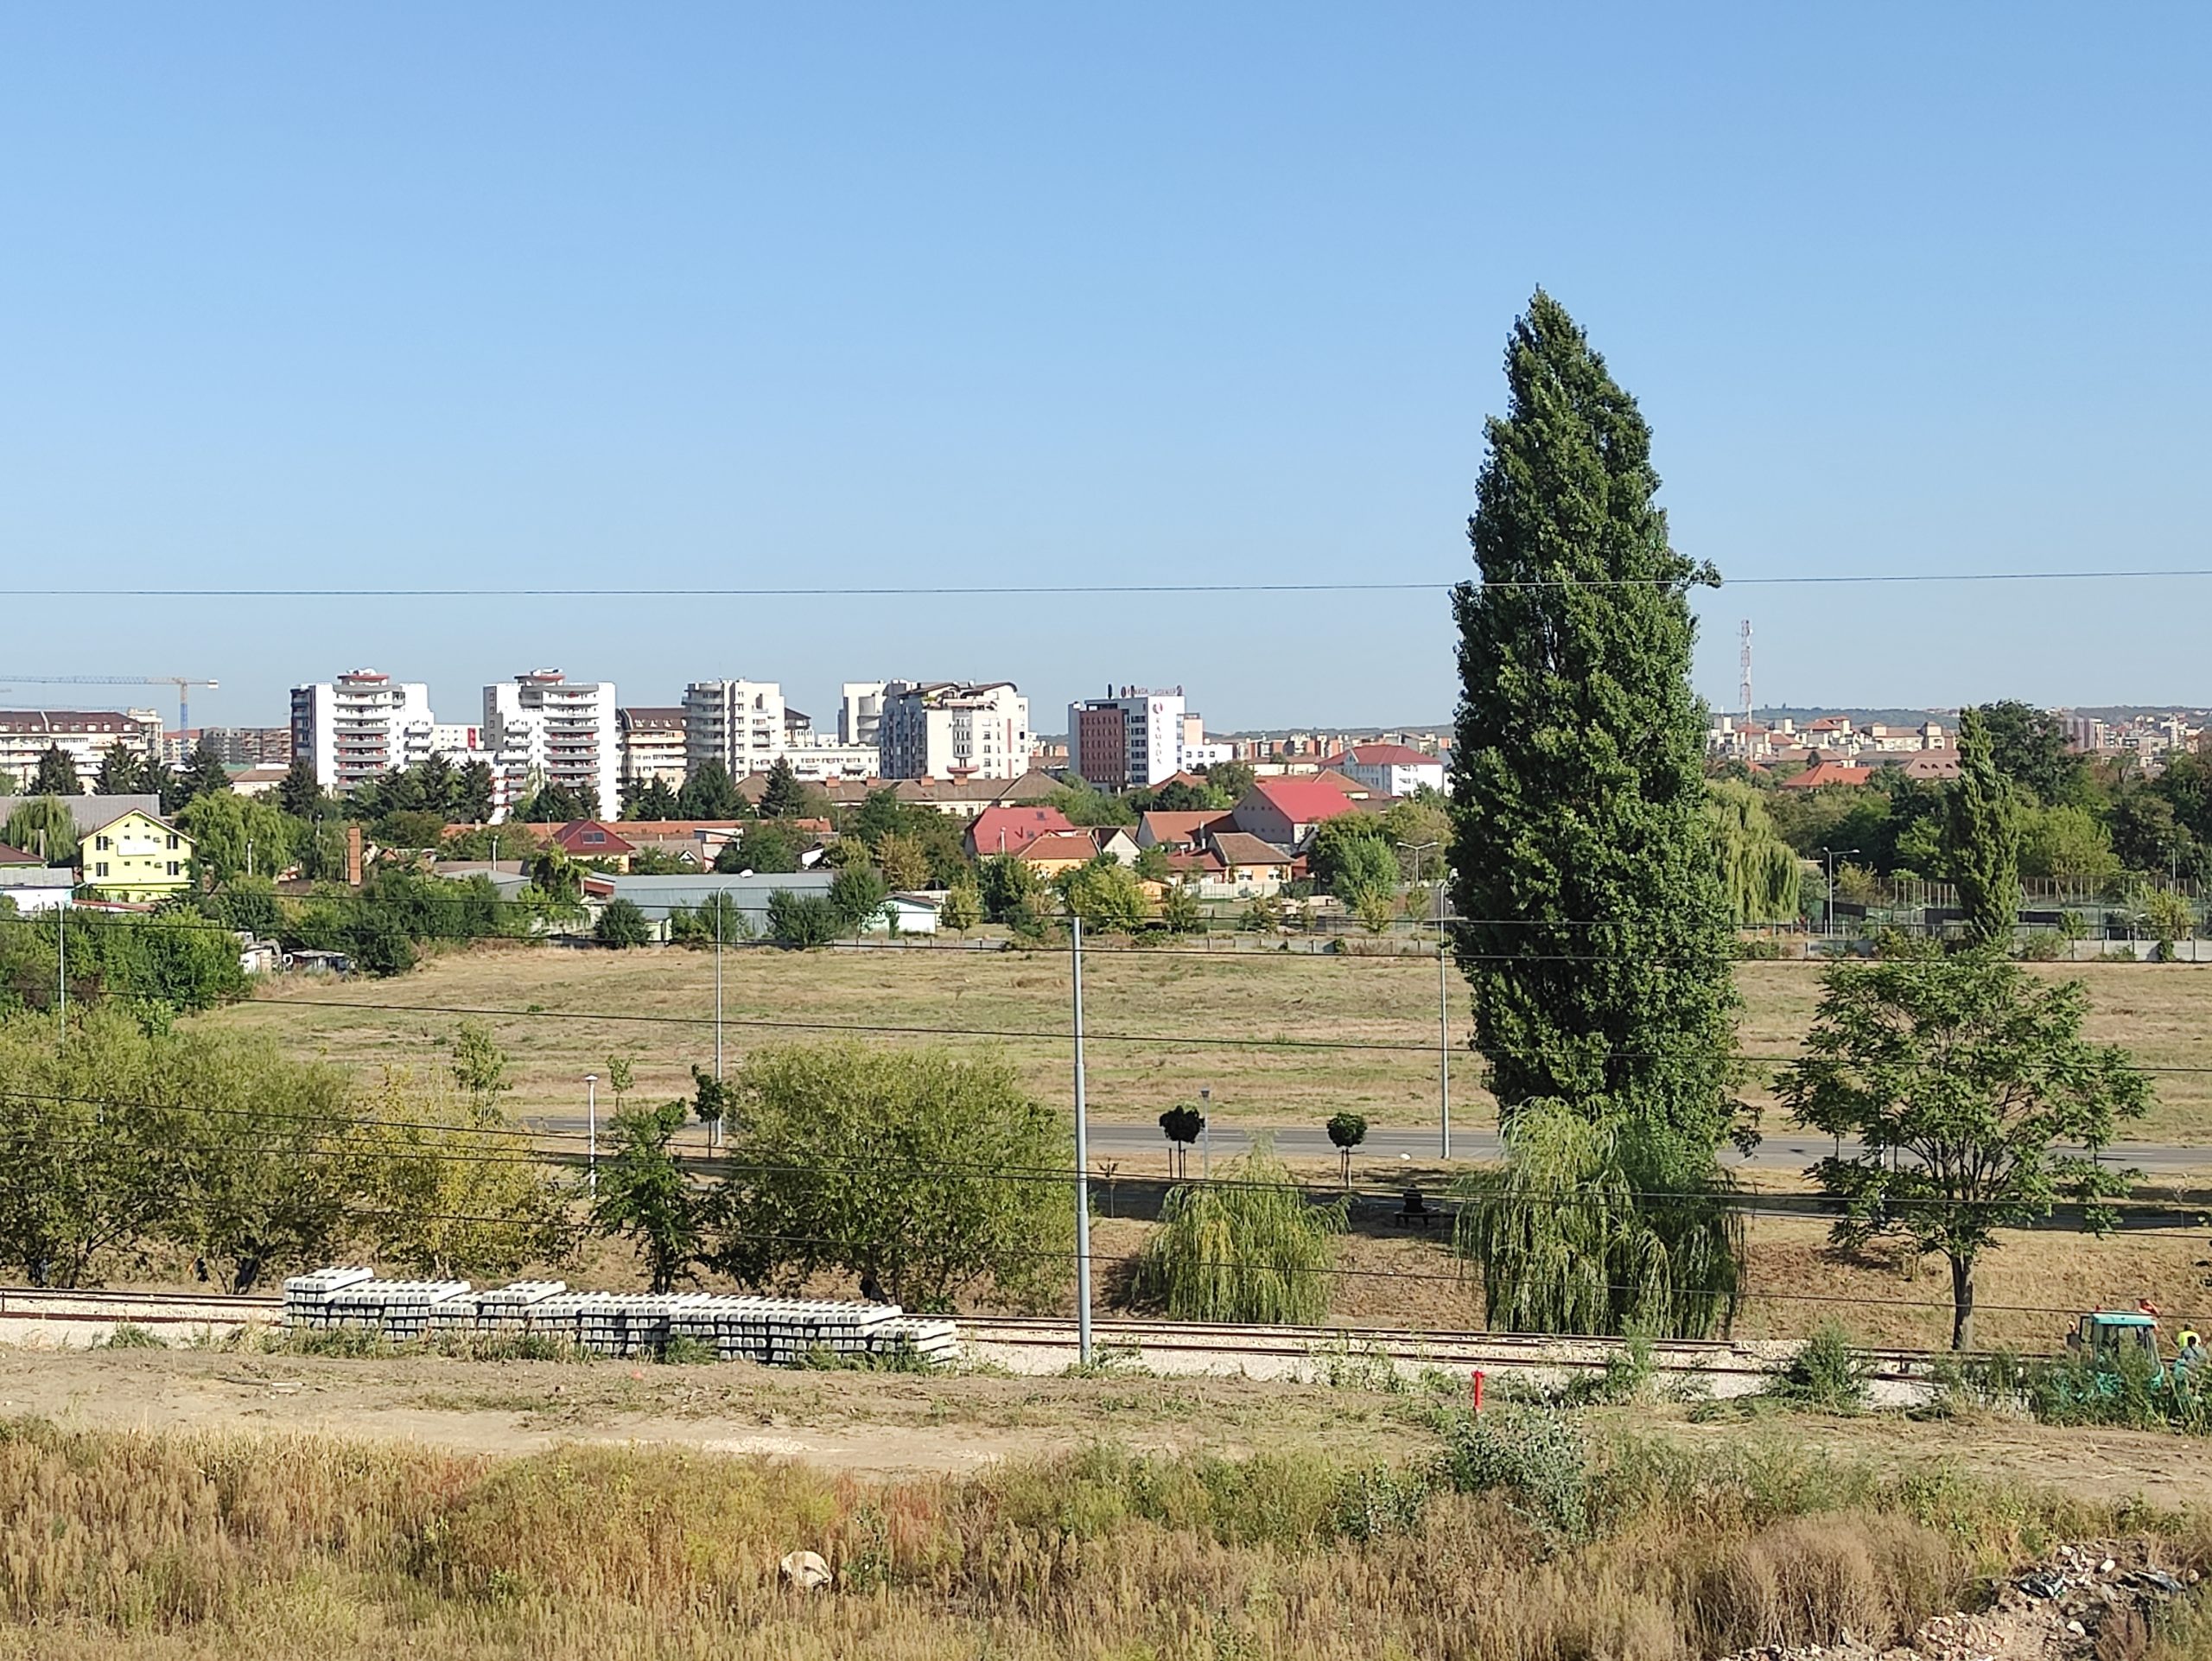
(401, 1310)
(508, 1308)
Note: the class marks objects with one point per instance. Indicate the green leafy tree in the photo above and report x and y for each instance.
(1419, 829)
(708, 793)
(651, 800)
(1601, 1226)
(1252, 1248)
(1008, 884)
(645, 1197)
(1152, 864)
(1600, 945)
(1263, 916)
(482, 1070)
(713, 1102)
(1959, 1080)
(1981, 843)
(1180, 910)
(204, 774)
(893, 1165)
(1346, 1131)
(1182, 1124)
(904, 861)
(621, 924)
(1084, 804)
(656, 861)
(43, 825)
(2029, 747)
(1105, 893)
(470, 800)
(801, 920)
(1760, 872)
(782, 797)
(87, 1148)
(2067, 844)
(122, 772)
(2166, 916)
(452, 1189)
(55, 775)
(231, 832)
(768, 848)
(1350, 856)
(1234, 779)
(9, 785)
(963, 908)
(856, 895)
(300, 793)
(555, 803)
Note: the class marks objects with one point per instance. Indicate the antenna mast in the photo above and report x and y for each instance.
(1745, 635)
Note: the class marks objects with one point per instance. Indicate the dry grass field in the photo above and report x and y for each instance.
(562, 1012)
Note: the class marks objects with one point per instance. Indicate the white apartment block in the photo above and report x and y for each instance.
(83, 735)
(954, 729)
(360, 726)
(826, 761)
(543, 727)
(652, 746)
(739, 723)
(859, 712)
(1133, 738)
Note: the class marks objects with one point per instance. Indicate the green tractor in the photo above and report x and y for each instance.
(2119, 1344)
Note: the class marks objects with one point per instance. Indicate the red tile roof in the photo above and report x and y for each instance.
(1169, 824)
(1823, 772)
(1060, 845)
(16, 856)
(1006, 830)
(1385, 755)
(1304, 801)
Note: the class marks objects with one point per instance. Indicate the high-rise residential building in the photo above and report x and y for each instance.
(360, 726)
(240, 747)
(859, 712)
(545, 729)
(953, 730)
(83, 735)
(652, 745)
(1133, 738)
(739, 723)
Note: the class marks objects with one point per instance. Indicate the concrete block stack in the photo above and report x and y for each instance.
(775, 1332)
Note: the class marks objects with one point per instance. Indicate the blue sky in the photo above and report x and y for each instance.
(550, 294)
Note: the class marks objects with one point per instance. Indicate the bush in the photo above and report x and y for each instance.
(1828, 1373)
(1536, 1458)
(622, 925)
(797, 920)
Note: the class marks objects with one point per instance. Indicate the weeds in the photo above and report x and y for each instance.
(1828, 1373)
(129, 1335)
(1539, 1461)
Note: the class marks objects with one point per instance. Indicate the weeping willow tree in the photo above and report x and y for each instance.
(1593, 1225)
(1759, 871)
(1250, 1247)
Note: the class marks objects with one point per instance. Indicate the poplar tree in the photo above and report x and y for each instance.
(1597, 939)
(1981, 838)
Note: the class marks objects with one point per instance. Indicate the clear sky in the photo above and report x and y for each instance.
(803, 295)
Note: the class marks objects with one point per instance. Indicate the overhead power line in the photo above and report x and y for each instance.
(1031, 590)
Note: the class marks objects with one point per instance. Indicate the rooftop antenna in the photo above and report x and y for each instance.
(1744, 633)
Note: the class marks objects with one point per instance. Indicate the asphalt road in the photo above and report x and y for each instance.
(1784, 1151)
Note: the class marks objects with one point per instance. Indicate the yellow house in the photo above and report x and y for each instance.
(137, 857)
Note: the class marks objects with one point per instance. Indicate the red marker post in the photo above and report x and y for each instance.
(1475, 1387)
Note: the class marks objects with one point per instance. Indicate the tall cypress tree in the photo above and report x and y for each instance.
(1598, 940)
(1982, 837)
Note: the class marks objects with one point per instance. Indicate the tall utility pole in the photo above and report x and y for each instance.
(1745, 635)
(714, 1125)
(591, 1133)
(1443, 1009)
(1082, 1158)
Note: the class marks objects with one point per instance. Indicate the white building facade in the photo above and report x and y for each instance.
(954, 729)
(1133, 737)
(83, 735)
(544, 729)
(860, 711)
(1391, 769)
(739, 723)
(361, 726)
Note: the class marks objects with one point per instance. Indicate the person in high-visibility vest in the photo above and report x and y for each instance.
(2191, 1351)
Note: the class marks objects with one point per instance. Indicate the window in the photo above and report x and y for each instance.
(173, 870)
(172, 848)
(102, 843)
(102, 871)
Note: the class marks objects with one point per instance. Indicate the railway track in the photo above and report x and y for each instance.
(39, 1317)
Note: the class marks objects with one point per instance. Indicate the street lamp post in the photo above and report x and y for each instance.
(1082, 1153)
(591, 1133)
(1443, 1012)
(1828, 855)
(1205, 1131)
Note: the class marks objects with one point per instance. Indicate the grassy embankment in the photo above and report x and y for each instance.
(587, 1002)
(1511, 1546)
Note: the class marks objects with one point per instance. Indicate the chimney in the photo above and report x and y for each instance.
(353, 855)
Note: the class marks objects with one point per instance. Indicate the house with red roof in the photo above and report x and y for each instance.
(1390, 769)
(594, 839)
(1173, 829)
(1287, 810)
(1824, 773)
(1008, 830)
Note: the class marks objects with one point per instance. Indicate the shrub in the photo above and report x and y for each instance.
(797, 920)
(621, 924)
(1537, 1458)
(1828, 1373)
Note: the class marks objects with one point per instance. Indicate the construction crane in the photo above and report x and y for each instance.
(184, 683)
